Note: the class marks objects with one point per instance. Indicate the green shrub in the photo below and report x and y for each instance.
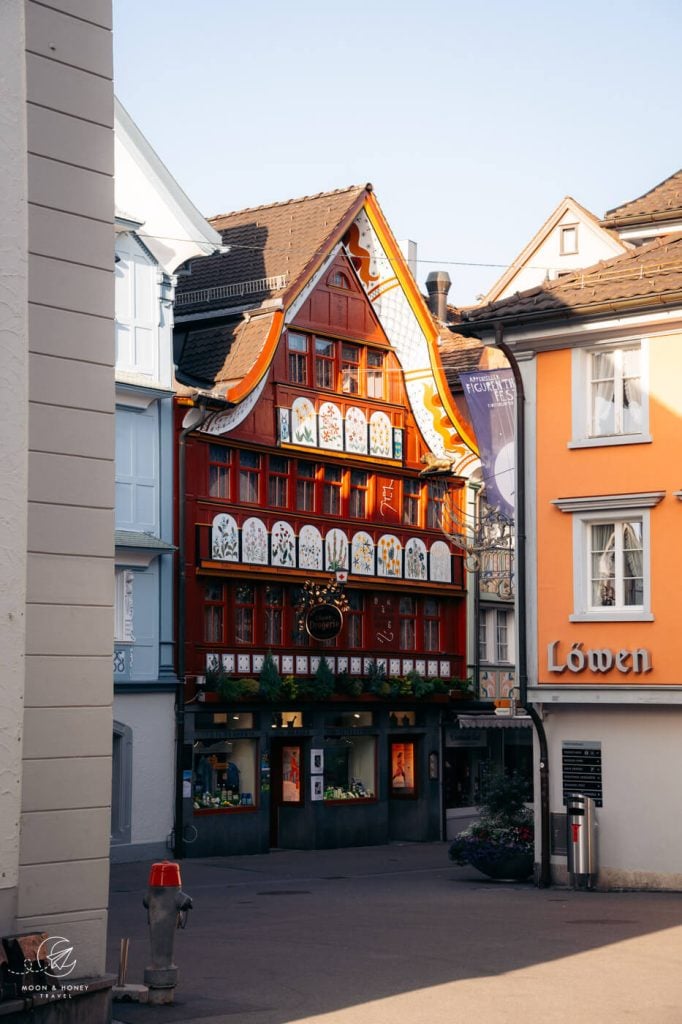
(270, 681)
(290, 688)
(229, 688)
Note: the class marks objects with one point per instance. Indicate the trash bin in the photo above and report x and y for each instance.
(581, 840)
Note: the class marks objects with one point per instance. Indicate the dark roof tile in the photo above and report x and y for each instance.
(633, 278)
(661, 202)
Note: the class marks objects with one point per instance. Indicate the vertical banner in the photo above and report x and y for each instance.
(490, 397)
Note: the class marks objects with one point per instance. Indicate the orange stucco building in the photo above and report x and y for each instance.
(600, 355)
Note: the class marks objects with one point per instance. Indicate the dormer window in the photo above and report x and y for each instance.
(339, 280)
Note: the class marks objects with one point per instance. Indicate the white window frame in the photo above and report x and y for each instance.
(488, 648)
(588, 512)
(581, 396)
(563, 234)
(123, 606)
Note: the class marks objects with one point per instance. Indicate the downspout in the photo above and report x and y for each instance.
(544, 879)
(193, 419)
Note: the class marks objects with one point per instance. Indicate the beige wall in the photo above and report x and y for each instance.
(67, 488)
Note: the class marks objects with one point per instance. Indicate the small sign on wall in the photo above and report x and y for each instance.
(582, 769)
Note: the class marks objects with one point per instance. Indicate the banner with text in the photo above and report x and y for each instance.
(490, 397)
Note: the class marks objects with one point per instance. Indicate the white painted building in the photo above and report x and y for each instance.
(157, 229)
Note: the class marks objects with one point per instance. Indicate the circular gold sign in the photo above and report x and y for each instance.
(324, 622)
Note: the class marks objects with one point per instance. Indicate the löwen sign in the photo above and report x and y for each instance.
(324, 622)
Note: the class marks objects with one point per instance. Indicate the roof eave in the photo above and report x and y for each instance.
(585, 312)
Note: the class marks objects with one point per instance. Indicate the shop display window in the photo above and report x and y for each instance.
(291, 775)
(224, 774)
(287, 720)
(231, 719)
(350, 768)
(349, 719)
(403, 781)
(401, 719)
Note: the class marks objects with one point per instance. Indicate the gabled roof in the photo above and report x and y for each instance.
(231, 308)
(568, 205)
(271, 248)
(148, 195)
(648, 275)
(661, 203)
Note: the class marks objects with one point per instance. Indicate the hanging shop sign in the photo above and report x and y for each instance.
(323, 621)
(600, 659)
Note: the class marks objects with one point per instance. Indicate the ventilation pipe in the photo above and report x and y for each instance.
(438, 285)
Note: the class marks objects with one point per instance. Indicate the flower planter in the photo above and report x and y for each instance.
(511, 865)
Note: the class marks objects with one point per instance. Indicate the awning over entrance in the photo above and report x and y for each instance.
(494, 721)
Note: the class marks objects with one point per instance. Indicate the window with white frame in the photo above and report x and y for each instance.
(611, 556)
(123, 606)
(610, 395)
(496, 636)
(568, 240)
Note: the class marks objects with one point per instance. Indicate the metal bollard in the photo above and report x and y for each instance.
(581, 826)
(167, 908)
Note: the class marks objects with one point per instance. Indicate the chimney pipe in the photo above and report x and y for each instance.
(438, 285)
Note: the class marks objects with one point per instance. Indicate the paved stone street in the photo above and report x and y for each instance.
(393, 934)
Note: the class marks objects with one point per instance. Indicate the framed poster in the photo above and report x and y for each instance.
(291, 775)
(316, 762)
(316, 787)
(402, 770)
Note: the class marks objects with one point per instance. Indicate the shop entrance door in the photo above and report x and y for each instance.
(286, 788)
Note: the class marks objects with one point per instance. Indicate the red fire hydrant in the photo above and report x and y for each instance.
(167, 908)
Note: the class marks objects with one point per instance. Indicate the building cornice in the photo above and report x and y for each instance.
(609, 502)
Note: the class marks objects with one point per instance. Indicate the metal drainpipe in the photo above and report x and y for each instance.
(179, 825)
(522, 655)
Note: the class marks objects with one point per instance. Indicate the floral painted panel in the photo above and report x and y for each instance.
(212, 662)
(356, 430)
(310, 548)
(336, 550)
(331, 427)
(303, 422)
(287, 663)
(362, 554)
(440, 562)
(380, 436)
(342, 664)
(284, 428)
(224, 539)
(356, 666)
(302, 664)
(415, 559)
(397, 443)
(243, 663)
(432, 670)
(283, 541)
(254, 542)
(394, 667)
(258, 660)
(228, 662)
(389, 556)
(444, 669)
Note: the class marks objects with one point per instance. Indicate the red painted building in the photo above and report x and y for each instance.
(328, 446)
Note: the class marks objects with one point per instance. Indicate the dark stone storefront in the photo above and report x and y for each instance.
(337, 773)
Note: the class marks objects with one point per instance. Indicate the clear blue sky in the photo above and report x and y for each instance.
(472, 120)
